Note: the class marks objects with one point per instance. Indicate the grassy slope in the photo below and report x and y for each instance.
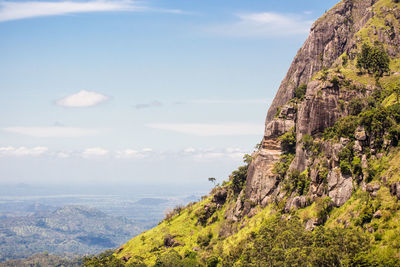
(386, 230)
(184, 226)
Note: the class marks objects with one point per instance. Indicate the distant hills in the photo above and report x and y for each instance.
(70, 230)
(44, 259)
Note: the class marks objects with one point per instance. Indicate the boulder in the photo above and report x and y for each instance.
(340, 188)
(170, 242)
(373, 187)
(311, 224)
(357, 146)
(395, 189)
(298, 202)
(126, 258)
(378, 214)
(360, 134)
(219, 196)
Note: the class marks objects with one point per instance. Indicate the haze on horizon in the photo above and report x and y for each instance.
(140, 92)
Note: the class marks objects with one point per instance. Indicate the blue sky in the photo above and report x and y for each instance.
(140, 92)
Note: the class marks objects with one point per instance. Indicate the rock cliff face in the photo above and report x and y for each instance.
(334, 34)
(330, 36)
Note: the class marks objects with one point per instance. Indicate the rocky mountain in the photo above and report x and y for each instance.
(71, 230)
(322, 188)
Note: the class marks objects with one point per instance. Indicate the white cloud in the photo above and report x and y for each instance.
(190, 153)
(13, 10)
(82, 99)
(94, 152)
(189, 150)
(265, 24)
(204, 129)
(63, 155)
(127, 154)
(54, 131)
(134, 154)
(23, 151)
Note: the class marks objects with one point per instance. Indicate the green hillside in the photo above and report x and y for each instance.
(306, 218)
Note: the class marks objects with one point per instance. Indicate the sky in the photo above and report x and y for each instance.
(140, 92)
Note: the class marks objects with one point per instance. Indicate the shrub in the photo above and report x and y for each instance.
(238, 178)
(205, 212)
(169, 214)
(335, 82)
(394, 111)
(288, 142)
(323, 207)
(356, 106)
(282, 166)
(169, 258)
(356, 163)
(300, 92)
(365, 216)
(324, 73)
(212, 261)
(190, 254)
(373, 59)
(394, 135)
(298, 182)
(345, 158)
(345, 168)
(345, 60)
(204, 240)
(344, 127)
(307, 141)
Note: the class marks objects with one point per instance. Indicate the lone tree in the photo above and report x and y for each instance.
(212, 180)
(373, 59)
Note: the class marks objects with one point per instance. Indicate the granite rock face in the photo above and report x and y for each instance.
(321, 106)
(330, 36)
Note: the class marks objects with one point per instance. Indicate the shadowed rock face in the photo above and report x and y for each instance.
(330, 36)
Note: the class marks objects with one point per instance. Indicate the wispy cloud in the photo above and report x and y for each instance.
(206, 129)
(55, 131)
(63, 155)
(14, 10)
(23, 151)
(130, 154)
(153, 104)
(82, 99)
(133, 154)
(264, 24)
(94, 152)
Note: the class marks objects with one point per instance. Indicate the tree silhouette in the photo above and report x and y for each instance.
(212, 180)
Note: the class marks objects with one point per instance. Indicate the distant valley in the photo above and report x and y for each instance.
(68, 230)
(72, 225)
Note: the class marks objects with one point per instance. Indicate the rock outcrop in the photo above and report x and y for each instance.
(330, 36)
(323, 104)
